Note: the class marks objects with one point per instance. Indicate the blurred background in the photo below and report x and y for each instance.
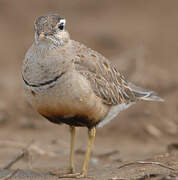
(139, 36)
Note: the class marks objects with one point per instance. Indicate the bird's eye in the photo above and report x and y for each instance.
(61, 25)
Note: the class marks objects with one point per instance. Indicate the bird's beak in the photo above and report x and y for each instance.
(42, 35)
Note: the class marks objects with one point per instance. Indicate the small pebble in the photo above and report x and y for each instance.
(94, 160)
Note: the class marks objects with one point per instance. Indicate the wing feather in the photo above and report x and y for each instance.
(106, 82)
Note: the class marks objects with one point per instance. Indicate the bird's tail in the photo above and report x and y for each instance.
(144, 94)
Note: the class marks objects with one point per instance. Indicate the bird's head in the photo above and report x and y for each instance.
(50, 29)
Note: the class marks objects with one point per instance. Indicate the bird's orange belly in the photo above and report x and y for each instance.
(79, 113)
(71, 103)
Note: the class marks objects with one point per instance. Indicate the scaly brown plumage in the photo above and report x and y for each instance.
(66, 82)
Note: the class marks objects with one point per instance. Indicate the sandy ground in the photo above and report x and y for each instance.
(140, 37)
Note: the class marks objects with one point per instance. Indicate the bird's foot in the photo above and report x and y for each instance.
(63, 172)
(73, 175)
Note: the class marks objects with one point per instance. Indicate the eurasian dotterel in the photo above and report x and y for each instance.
(67, 82)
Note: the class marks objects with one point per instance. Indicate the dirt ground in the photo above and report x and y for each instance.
(140, 37)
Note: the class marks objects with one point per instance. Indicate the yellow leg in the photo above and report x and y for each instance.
(71, 157)
(72, 143)
(92, 133)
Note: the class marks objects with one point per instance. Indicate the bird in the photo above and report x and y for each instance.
(68, 83)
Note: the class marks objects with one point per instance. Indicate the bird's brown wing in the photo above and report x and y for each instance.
(106, 82)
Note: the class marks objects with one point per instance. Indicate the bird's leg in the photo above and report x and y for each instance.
(71, 157)
(91, 133)
(72, 143)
